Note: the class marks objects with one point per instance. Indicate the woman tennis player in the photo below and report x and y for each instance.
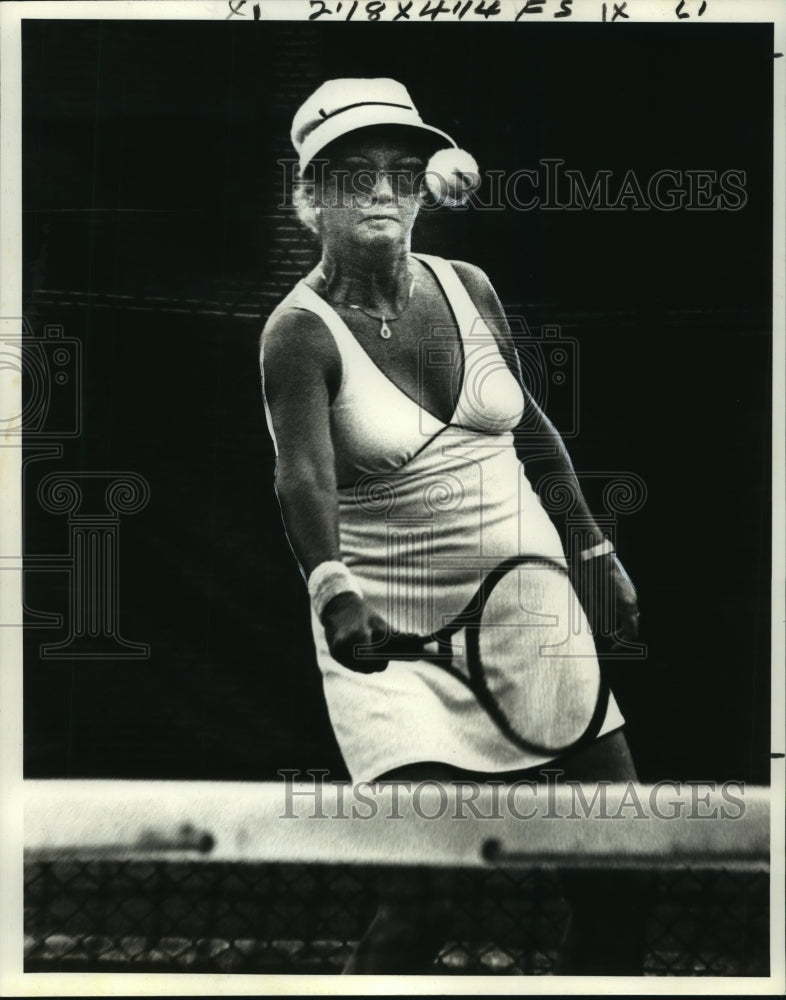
(392, 391)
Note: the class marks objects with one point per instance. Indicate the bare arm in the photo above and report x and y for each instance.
(300, 370)
(301, 373)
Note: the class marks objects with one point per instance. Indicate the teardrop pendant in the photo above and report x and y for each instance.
(385, 331)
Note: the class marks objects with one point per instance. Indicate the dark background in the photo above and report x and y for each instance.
(152, 236)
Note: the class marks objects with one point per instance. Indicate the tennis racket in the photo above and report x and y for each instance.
(546, 697)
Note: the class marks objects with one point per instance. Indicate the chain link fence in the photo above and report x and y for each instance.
(221, 917)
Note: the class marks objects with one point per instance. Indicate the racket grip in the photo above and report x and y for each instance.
(403, 647)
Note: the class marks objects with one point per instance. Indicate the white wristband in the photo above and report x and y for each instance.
(329, 579)
(603, 548)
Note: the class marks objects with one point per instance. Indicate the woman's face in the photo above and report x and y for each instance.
(368, 197)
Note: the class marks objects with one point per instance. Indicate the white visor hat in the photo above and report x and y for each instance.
(342, 106)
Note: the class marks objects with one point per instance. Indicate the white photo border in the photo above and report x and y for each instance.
(13, 981)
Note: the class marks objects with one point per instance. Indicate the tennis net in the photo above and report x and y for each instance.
(283, 877)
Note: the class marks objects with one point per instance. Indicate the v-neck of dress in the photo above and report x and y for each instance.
(325, 305)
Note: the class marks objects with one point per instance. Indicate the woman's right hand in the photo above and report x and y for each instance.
(351, 624)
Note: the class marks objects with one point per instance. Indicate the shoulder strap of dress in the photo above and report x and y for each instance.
(457, 295)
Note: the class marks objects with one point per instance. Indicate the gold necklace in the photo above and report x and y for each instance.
(384, 331)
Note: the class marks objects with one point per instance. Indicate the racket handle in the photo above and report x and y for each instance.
(414, 647)
(403, 647)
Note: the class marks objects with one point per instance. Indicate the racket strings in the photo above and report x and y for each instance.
(531, 665)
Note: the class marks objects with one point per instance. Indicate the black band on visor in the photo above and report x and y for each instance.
(363, 104)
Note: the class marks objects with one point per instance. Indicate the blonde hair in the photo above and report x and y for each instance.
(303, 203)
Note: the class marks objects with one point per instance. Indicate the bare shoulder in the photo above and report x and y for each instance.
(295, 332)
(482, 293)
(477, 283)
(296, 346)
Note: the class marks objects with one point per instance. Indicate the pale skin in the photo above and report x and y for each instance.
(365, 263)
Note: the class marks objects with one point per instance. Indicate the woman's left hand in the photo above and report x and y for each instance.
(609, 600)
(626, 602)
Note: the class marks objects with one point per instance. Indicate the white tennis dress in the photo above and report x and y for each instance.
(434, 508)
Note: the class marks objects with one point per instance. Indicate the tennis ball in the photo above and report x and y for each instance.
(451, 176)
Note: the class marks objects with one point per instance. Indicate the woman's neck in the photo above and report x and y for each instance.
(378, 282)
